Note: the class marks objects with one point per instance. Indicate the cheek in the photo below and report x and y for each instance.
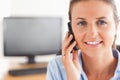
(79, 36)
(110, 33)
(109, 36)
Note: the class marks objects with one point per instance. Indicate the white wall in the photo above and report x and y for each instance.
(5, 9)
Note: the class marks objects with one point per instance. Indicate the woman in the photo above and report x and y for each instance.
(94, 24)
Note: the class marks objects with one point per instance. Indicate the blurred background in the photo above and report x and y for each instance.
(35, 8)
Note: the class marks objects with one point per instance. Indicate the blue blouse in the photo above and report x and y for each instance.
(56, 70)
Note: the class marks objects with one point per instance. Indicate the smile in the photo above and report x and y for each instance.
(93, 43)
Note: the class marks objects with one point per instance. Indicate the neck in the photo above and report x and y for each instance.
(100, 65)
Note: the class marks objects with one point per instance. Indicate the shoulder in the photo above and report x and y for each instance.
(56, 61)
(55, 69)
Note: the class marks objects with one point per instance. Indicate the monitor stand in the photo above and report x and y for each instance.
(31, 59)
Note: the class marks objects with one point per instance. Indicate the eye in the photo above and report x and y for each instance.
(101, 22)
(82, 23)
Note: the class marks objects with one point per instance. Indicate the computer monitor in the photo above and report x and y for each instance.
(31, 36)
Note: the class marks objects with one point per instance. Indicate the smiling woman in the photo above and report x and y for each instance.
(94, 24)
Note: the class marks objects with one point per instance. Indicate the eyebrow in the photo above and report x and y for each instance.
(80, 18)
(101, 18)
(85, 19)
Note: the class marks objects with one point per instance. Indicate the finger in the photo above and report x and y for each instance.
(67, 34)
(67, 41)
(69, 49)
(66, 37)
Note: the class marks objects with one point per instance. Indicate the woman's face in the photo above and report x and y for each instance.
(93, 26)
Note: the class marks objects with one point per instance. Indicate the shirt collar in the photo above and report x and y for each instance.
(116, 54)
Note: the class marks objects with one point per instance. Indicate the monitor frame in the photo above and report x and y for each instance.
(31, 57)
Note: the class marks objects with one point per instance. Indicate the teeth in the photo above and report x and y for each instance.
(92, 42)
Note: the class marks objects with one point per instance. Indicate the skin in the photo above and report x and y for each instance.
(94, 29)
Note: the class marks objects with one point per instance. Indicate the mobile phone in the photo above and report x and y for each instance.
(71, 32)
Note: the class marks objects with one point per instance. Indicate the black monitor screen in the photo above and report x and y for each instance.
(25, 36)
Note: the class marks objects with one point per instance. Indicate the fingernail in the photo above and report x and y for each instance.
(75, 42)
(70, 35)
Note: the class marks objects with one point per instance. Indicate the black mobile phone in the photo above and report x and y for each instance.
(71, 32)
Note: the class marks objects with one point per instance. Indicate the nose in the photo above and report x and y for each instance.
(92, 31)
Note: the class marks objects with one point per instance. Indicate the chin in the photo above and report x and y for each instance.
(93, 52)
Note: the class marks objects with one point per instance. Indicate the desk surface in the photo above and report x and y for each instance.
(41, 76)
(26, 77)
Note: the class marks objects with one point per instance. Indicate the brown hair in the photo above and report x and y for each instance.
(110, 2)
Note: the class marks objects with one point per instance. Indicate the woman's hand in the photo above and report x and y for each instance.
(72, 66)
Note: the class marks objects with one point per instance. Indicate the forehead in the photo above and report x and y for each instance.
(92, 8)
